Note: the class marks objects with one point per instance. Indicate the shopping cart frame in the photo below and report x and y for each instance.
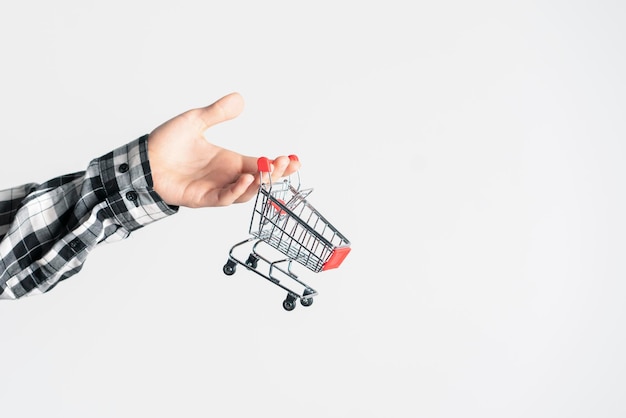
(276, 225)
(272, 271)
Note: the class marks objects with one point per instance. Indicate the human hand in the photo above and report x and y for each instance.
(188, 170)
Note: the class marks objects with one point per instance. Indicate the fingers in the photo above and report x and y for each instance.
(283, 167)
(226, 108)
(249, 165)
(279, 166)
(239, 191)
(247, 186)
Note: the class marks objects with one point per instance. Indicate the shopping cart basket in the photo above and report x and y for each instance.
(285, 220)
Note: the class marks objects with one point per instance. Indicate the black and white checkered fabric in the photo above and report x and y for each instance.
(47, 230)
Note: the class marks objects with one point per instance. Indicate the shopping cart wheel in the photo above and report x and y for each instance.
(289, 303)
(252, 261)
(229, 268)
(306, 301)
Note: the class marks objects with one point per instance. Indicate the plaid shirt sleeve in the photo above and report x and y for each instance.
(47, 230)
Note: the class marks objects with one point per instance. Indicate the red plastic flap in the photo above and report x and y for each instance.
(277, 207)
(264, 164)
(336, 258)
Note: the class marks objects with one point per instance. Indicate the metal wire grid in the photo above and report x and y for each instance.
(284, 219)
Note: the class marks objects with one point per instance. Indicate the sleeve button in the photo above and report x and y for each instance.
(132, 196)
(123, 168)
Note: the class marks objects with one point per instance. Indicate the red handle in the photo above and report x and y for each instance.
(265, 164)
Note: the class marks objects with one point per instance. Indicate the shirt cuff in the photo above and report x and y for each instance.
(127, 181)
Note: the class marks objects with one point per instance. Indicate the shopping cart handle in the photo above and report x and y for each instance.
(265, 164)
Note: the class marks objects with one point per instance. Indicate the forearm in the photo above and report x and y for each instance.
(49, 233)
(10, 201)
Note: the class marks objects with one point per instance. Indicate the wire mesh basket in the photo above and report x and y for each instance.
(284, 219)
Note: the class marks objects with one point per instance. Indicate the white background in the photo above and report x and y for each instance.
(472, 152)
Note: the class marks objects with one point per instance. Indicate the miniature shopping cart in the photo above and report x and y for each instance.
(285, 223)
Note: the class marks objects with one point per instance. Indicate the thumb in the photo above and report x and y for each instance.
(226, 108)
